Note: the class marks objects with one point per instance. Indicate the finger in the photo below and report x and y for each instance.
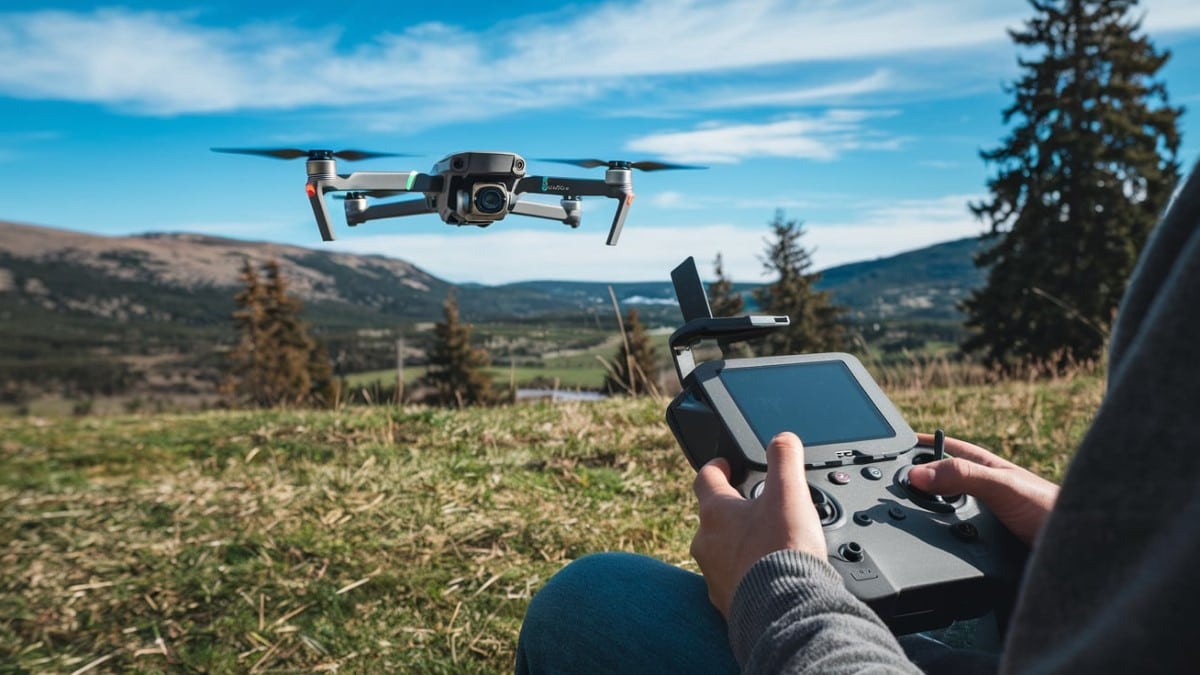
(713, 481)
(960, 448)
(959, 475)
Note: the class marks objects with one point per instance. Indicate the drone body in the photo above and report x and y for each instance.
(465, 188)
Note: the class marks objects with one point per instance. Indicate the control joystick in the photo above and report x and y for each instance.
(827, 509)
(938, 503)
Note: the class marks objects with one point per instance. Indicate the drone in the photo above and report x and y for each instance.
(465, 188)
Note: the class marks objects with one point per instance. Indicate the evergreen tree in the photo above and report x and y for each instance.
(634, 369)
(722, 300)
(275, 361)
(247, 361)
(1081, 180)
(455, 373)
(291, 347)
(815, 321)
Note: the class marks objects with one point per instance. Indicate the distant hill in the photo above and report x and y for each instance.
(68, 297)
(188, 278)
(927, 283)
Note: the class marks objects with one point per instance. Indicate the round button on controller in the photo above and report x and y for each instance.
(839, 477)
(872, 473)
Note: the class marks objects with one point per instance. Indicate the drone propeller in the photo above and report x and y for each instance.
(619, 164)
(296, 153)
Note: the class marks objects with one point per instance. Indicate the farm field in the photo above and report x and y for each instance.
(368, 539)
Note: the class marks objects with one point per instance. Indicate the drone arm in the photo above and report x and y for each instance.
(411, 181)
(563, 187)
(411, 207)
(568, 213)
(538, 210)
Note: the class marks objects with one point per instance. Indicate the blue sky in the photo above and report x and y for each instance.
(862, 119)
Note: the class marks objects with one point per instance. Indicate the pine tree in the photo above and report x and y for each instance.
(722, 300)
(815, 321)
(290, 345)
(1080, 182)
(275, 361)
(634, 369)
(456, 374)
(247, 361)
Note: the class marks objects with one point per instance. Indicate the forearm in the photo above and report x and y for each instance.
(791, 613)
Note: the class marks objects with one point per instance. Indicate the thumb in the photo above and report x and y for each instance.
(955, 476)
(785, 462)
(713, 480)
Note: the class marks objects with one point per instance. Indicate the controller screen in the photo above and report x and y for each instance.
(820, 402)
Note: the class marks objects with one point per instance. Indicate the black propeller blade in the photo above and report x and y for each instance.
(297, 153)
(618, 164)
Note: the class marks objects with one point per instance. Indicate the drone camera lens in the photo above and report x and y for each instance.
(490, 199)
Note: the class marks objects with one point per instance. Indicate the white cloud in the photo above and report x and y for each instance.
(891, 228)
(728, 97)
(1169, 16)
(822, 137)
(668, 199)
(170, 63)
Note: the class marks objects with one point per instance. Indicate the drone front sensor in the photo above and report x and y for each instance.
(466, 188)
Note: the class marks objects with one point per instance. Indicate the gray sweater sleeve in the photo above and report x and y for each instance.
(792, 614)
(1113, 585)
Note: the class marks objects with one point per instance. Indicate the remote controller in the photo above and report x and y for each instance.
(920, 561)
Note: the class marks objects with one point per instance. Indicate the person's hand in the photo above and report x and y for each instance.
(736, 532)
(1020, 498)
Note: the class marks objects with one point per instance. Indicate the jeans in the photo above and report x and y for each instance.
(623, 613)
(626, 613)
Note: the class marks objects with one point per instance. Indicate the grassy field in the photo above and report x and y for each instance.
(368, 539)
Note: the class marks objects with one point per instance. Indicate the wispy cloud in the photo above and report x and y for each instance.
(820, 137)
(893, 227)
(165, 63)
(823, 93)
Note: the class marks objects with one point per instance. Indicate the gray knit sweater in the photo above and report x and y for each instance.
(1113, 584)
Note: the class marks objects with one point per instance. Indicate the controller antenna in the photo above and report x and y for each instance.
(939, 443)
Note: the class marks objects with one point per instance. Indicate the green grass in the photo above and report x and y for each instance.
(368, 539)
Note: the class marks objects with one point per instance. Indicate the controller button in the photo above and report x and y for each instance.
(965, 531)
(863, 518)
(851, 551)
(839, 477)
(757, 489)
(897, 513)
(872, 473)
